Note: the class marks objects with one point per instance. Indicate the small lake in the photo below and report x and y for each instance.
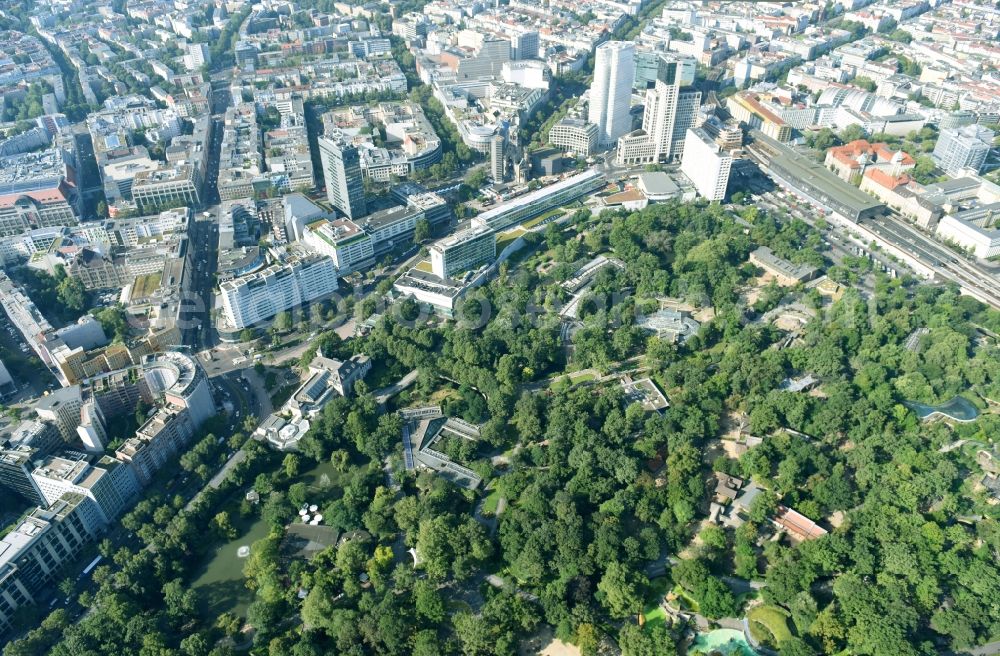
(221, 585)
(958, 408)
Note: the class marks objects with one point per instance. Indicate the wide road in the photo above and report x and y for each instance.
(196, 320)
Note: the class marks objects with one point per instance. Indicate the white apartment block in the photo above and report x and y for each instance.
(464, 250)
(33, 554)
(574, 135)
(254, 298)
(706, 164)
(174, 184)
(197, 56)
(156, 441)
(343, 241)
(110, 486)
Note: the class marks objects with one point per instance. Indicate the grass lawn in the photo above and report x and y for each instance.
(769, 624)
(560, 384)
(567, 380)
(541, 217)
(439, 395)
(506, 238)
(279, 397)
(492, 499)
(424, 265)
(687, 602)
(653, 613)
(145, 285)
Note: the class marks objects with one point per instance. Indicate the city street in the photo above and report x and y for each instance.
(196, 317)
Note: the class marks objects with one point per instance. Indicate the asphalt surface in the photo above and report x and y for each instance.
(204, 241)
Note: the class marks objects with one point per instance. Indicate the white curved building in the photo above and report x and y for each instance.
(182, 383)
(859, 100)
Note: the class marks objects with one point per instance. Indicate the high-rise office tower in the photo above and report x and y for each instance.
(611, 90)
(963, 148)
(497, 159)
(62, 407)
(524, 46)
(670, 111)
(342, 172)
(648, 67)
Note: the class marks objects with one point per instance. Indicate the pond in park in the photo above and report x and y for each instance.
(729, 642)
(220, 584)
(958, 408)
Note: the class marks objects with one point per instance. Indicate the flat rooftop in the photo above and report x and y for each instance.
(428, 282)
(387, 217)
(830, 189)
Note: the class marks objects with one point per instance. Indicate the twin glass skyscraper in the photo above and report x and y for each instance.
(611, 90)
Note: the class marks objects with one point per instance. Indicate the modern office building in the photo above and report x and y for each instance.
(574, 135)
(670, 112)
(434, 207)
(344, 241)
(391, 227)
(157, 441)
(497, 159)
(674, 113)
(974, 230)
(440, 295)
(465, 250)
(254, 298)
(706, 164)
(542, 200)
(176, 182)
(481, 56)
(647, 68)
(524, 45)
(42, 436)
(963, 148)
(16, 465)
(111, 486)
(182, 383)
(342, 172)
(62, 408)
(611, 90)
(33, 555)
